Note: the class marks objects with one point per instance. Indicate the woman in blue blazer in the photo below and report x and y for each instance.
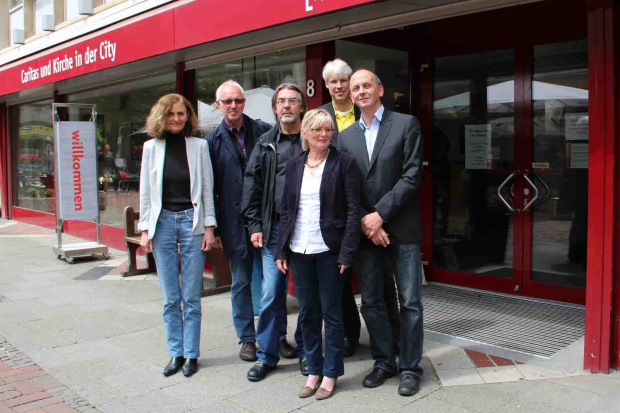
(176, 207)
(319, 234)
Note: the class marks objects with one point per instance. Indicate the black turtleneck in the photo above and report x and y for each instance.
(176, 193)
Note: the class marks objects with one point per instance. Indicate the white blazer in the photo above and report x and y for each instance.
(201, 182)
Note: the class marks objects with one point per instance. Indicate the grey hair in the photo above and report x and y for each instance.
(218, 92)
(336, 66)
(314, 118)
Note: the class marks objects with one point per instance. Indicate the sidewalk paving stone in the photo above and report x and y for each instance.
(103, 341)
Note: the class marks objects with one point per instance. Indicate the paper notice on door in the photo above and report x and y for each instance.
(478, 154)
(576, 126)
(577, 155)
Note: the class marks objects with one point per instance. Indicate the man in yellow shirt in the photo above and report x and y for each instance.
(336, 74)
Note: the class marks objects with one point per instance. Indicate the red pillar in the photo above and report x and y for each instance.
(602, 187)
(316, 57)
(4, 176)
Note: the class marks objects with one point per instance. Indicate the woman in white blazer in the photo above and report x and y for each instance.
(176, 208)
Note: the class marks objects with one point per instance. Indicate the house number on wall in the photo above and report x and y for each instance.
(310, 88)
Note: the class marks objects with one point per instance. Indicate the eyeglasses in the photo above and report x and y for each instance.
(319, 130)
(291, 101)
(228, 102)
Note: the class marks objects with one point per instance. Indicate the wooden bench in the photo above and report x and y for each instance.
(220, 282)
(132, 241)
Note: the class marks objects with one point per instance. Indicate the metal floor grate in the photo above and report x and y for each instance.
(534, 327)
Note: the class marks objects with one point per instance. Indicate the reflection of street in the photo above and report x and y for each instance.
(115, 204)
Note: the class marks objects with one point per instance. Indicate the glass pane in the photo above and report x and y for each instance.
(43, 8)
(560, 144)
(33, 161)
(391, 65)
(473, 153)
(14, 3)
(259, 76)
(17, 22)
(122, 109)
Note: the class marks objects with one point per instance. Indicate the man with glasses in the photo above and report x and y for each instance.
(229, 145)
(262, 203)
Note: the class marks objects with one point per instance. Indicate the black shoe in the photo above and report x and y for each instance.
(259, 371)
(174, 366)
(409, 384)
(303, 366)
(376, 377)
(286, 349)
(248, 351)
(190, 367)
(350, 344)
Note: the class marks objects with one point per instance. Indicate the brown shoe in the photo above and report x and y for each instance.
(307, 391)
(286, 349)
(323, 394)
(248, 351)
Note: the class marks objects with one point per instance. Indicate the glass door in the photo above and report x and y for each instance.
(473, 168)
(509, 170)
(555, 262)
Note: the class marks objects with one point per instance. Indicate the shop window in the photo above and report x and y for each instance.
(122, 109)
(391, 65)
(33, 162)
(259, 76)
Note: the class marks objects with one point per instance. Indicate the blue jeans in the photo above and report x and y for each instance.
(404, 260)
(319, 285)
(241, 296)
(272, 314)
(182, 321)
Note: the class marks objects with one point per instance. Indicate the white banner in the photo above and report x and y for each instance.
(478, 154)
(76, 185)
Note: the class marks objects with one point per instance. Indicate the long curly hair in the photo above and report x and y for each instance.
(156, 121)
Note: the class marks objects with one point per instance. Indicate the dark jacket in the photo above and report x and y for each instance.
(329, 107)
(391, 179)
(340, 220)
(228, 168)
(259, 185)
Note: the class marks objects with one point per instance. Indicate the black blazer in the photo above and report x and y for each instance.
(340, 205)
(391, 179)
(329, 107)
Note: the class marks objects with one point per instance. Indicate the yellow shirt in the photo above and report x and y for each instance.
(343, 121)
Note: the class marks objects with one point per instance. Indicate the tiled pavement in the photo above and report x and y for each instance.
(25, 387)
(99, 339)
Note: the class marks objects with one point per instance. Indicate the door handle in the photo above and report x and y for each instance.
(499, 193)
(547, 191)
(534, 188)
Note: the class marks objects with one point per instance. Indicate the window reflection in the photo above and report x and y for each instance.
(33, 138)
(560, 163)
(259, 76)
(122, 109)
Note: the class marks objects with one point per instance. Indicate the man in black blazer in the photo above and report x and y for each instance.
(387, 147)
(344, 113)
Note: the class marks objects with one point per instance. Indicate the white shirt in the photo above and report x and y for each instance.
(370, 132)
(307, 237)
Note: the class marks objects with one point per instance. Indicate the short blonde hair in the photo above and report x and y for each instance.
(313, 119)
(156, 121)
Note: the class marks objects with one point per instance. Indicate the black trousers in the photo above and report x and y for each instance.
(351, 316)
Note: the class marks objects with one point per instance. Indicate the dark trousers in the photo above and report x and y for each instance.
(351, 316)
(405, 261)
(318, 284)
